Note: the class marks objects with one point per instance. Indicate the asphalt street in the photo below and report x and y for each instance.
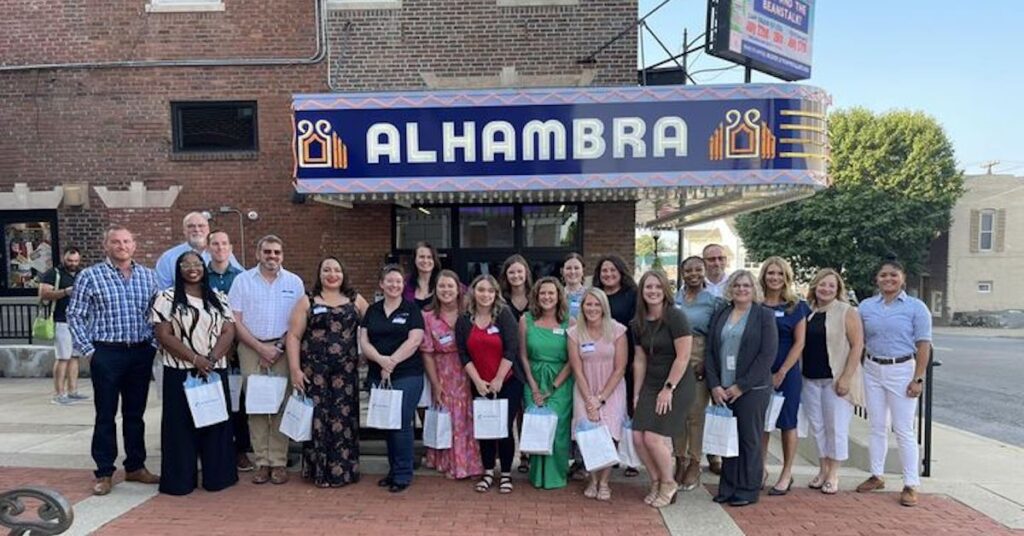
(980, 386)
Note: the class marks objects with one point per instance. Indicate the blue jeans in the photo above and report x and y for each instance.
(120, 376)
(400, 442)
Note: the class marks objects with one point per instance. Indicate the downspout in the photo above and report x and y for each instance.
(317, 57)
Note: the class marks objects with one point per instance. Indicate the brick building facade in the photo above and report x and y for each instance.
(76, 113)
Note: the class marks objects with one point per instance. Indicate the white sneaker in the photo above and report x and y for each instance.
(62, 400)
(77, 396)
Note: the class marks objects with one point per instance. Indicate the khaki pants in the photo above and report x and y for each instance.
(690, 443)
(269, 446)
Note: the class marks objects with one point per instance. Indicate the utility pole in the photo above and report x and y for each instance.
(989, 165)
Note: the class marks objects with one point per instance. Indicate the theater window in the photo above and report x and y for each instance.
(30, 247)
(204, 128)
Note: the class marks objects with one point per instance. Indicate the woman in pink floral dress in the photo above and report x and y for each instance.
(449, 385)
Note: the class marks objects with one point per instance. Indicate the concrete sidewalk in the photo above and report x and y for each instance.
(977, 487)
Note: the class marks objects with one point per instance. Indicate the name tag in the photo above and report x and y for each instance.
(780, 314)
(288, 292)
(730, 362)
(493, 330)
(445, 339)
(398, 320)
(319, 309)
(558, 331)
(587, 347)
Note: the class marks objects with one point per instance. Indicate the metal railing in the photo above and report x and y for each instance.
(16, 320)
(54, 515)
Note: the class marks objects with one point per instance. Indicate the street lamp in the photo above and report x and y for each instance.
(252, 215)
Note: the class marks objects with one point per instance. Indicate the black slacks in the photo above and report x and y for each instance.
(183, 444)
(120, 376)
(741, 476)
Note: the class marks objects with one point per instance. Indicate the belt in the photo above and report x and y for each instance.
(120, 345)
(891, 360)
(275, 339)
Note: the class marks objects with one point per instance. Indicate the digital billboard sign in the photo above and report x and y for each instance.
(772, 36)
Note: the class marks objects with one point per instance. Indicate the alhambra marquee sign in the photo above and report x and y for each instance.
(569, 138)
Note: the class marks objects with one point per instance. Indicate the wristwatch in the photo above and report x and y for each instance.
(919, 379)
(669, 386)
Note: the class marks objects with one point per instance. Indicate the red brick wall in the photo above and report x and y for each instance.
(108, 127)
(608, 228)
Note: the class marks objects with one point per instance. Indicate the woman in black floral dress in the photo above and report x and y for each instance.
(323, 332)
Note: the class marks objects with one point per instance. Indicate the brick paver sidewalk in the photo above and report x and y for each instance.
(806, 511)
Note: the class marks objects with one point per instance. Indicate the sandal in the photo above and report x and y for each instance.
(653, 493)
(505, 484)
(524, 465)
(817, 482)
(604, 493)
(590, 491)
(830, 488)
(485, 483)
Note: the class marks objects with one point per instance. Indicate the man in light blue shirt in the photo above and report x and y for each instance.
(196, 229)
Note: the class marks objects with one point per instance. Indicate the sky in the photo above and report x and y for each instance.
(960, 62)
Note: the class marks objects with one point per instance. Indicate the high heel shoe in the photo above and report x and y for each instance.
(778, 492)
(667, 493)
(655, 485)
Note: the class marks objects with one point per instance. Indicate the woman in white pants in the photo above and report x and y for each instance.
(897, 334)
(833, 383)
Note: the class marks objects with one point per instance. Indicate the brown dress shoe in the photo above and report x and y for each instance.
(244, 463)
(262, 475)
(102, 485)
(908, 497)
(142, 476)
(871, 484)
(691, 478)
(715, 464)
(279, 475)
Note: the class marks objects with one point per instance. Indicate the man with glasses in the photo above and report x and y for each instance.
(108, 320)
(196, 229)
(716, 261)
(262, 299)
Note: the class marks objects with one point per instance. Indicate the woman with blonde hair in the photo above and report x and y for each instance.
(833, 383)
(791, 312)
(665, 385)
(597, 355)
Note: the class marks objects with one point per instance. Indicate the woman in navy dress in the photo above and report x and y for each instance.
(791, 318)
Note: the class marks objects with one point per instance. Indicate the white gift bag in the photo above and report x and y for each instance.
(437, 429)
(596, 446)
(771, 415)
(538, 433)
(721, 437)
(235, 389)
(490, 418)
(385, 411)
(627, 449)
(297, 421)
(264, 394)
(426, 398)
(206, 399)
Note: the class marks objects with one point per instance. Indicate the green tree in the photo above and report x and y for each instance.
(894, 182)
(644, 246)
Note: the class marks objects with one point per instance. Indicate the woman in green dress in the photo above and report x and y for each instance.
(542, 348)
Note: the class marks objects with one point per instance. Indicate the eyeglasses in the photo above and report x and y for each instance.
(190, 265)
(720, 258)
(275, 252)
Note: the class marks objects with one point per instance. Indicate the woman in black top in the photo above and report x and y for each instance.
(516, 281)
(390, 336)
(419, 286)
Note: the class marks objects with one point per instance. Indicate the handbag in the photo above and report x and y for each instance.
(771, 414)
(721, 436)
(264, 394)
(627, 449)
(297, 421)
(538, 433)
(490, 418)
(437, 429)
(385, 411)
(43, 325)
(596, 445)
(205, 398)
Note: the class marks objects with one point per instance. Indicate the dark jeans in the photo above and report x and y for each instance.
(511, 390)
(240, 425)
(120, 375)
(400, 442)
(182, 444)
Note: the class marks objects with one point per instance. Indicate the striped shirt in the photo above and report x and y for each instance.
(109, 308)
(195, 326)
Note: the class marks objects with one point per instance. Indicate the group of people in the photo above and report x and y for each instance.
(629, 354)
